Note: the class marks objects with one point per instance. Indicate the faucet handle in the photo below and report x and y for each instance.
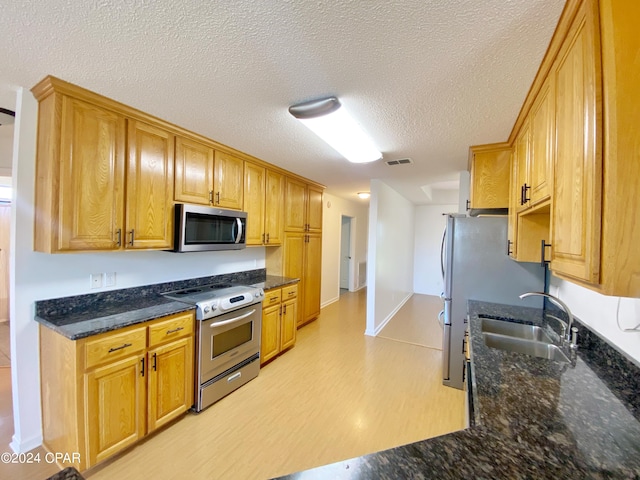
(574, 338)
(562, 323)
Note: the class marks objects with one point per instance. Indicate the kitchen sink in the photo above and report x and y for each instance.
(540, 349)
(518, 330)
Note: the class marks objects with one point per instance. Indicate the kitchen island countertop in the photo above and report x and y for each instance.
(534, 418)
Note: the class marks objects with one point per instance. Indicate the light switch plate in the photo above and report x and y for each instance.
(109, 279)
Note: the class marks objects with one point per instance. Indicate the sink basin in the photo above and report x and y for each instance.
(541, 349)
(519, 330)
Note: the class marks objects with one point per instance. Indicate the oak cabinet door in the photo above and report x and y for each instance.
(575, 219)
(294, 248)
(489, 167)
(314, 209)
(170, 381)
(193, 172)
(254, 203)
(274, 207)
(116, 406)
(91, 190)
(522, 157)
(542, 143)
(312, 276)
(295, 213)
(270, 336)
(149, 202)
(288, 324)
(228, 180)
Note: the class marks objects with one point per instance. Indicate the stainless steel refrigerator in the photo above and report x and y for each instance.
(476, 266)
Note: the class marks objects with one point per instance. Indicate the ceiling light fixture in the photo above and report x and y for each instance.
(7, 116)
(331, 122)
(364, 195)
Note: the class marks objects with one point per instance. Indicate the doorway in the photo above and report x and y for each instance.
(346, 263)
(5, 224)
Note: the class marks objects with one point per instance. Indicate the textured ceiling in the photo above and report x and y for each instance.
(426, 78)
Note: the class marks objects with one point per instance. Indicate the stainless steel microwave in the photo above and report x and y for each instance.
(199, 228)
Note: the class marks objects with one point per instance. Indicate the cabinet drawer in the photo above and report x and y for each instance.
(289, 292)
(271, 297)
(174, 327)
(114, 346)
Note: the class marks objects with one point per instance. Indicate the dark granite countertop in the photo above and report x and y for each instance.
(275, 281)
(82, 316)
(534, 418)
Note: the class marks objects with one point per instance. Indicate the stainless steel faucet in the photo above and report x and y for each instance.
(570, 336)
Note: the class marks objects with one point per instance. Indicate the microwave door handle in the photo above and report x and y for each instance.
(232, 320)
(239, 235)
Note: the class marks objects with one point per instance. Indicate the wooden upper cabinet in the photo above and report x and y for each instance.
(295, 217)
(91, 179)
(149, 215)
(522, 155)
(193, 172)
(274, 207)
(228, 180)
(578, 164)
(314, 209)
(542, 126)
(303, 207)
(490, 175)
(254, 203)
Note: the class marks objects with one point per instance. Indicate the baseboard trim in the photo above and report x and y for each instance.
(377, 330)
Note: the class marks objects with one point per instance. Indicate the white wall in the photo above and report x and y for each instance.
(390, 258)
(599, 313)
(37, 276)
(332, 211)
(429, 225)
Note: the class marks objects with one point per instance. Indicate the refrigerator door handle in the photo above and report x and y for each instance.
(444, 237)
(440, 321)
(446, 334)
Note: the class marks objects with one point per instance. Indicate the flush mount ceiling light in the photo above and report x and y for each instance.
(331, 122)
(364, 195)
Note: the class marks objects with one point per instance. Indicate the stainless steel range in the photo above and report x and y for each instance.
(228, 325)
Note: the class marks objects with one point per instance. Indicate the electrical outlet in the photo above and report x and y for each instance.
(110, 279)
(96, 280)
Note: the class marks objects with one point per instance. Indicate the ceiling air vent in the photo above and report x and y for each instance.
(402, 161)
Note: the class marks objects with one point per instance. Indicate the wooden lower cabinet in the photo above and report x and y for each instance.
(279, 321)
(303, 260)
(103, 393)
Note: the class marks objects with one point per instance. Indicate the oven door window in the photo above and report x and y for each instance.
(223, 342)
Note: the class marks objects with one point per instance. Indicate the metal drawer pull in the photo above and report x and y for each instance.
(113, 349)
(175, 330)
(234, 377)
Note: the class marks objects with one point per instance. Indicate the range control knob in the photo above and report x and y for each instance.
(207, 309)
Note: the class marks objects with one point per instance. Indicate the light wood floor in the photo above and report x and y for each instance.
(337, 394)
(416, 322)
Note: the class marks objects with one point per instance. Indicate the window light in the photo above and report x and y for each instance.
(333, 124)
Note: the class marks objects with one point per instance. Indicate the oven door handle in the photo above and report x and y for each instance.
(233, 320)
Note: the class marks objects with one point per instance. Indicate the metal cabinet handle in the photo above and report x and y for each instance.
(525, 189)
(544, 245)
(115, 349)
(142, 370)
(218, 198)
(267, 238)
(509, 243)
(169, 332)
(155, 358)
(468, 205)
(284, 307)
(210, 196)
(119, 236)
(132, 233)
(263, 238)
